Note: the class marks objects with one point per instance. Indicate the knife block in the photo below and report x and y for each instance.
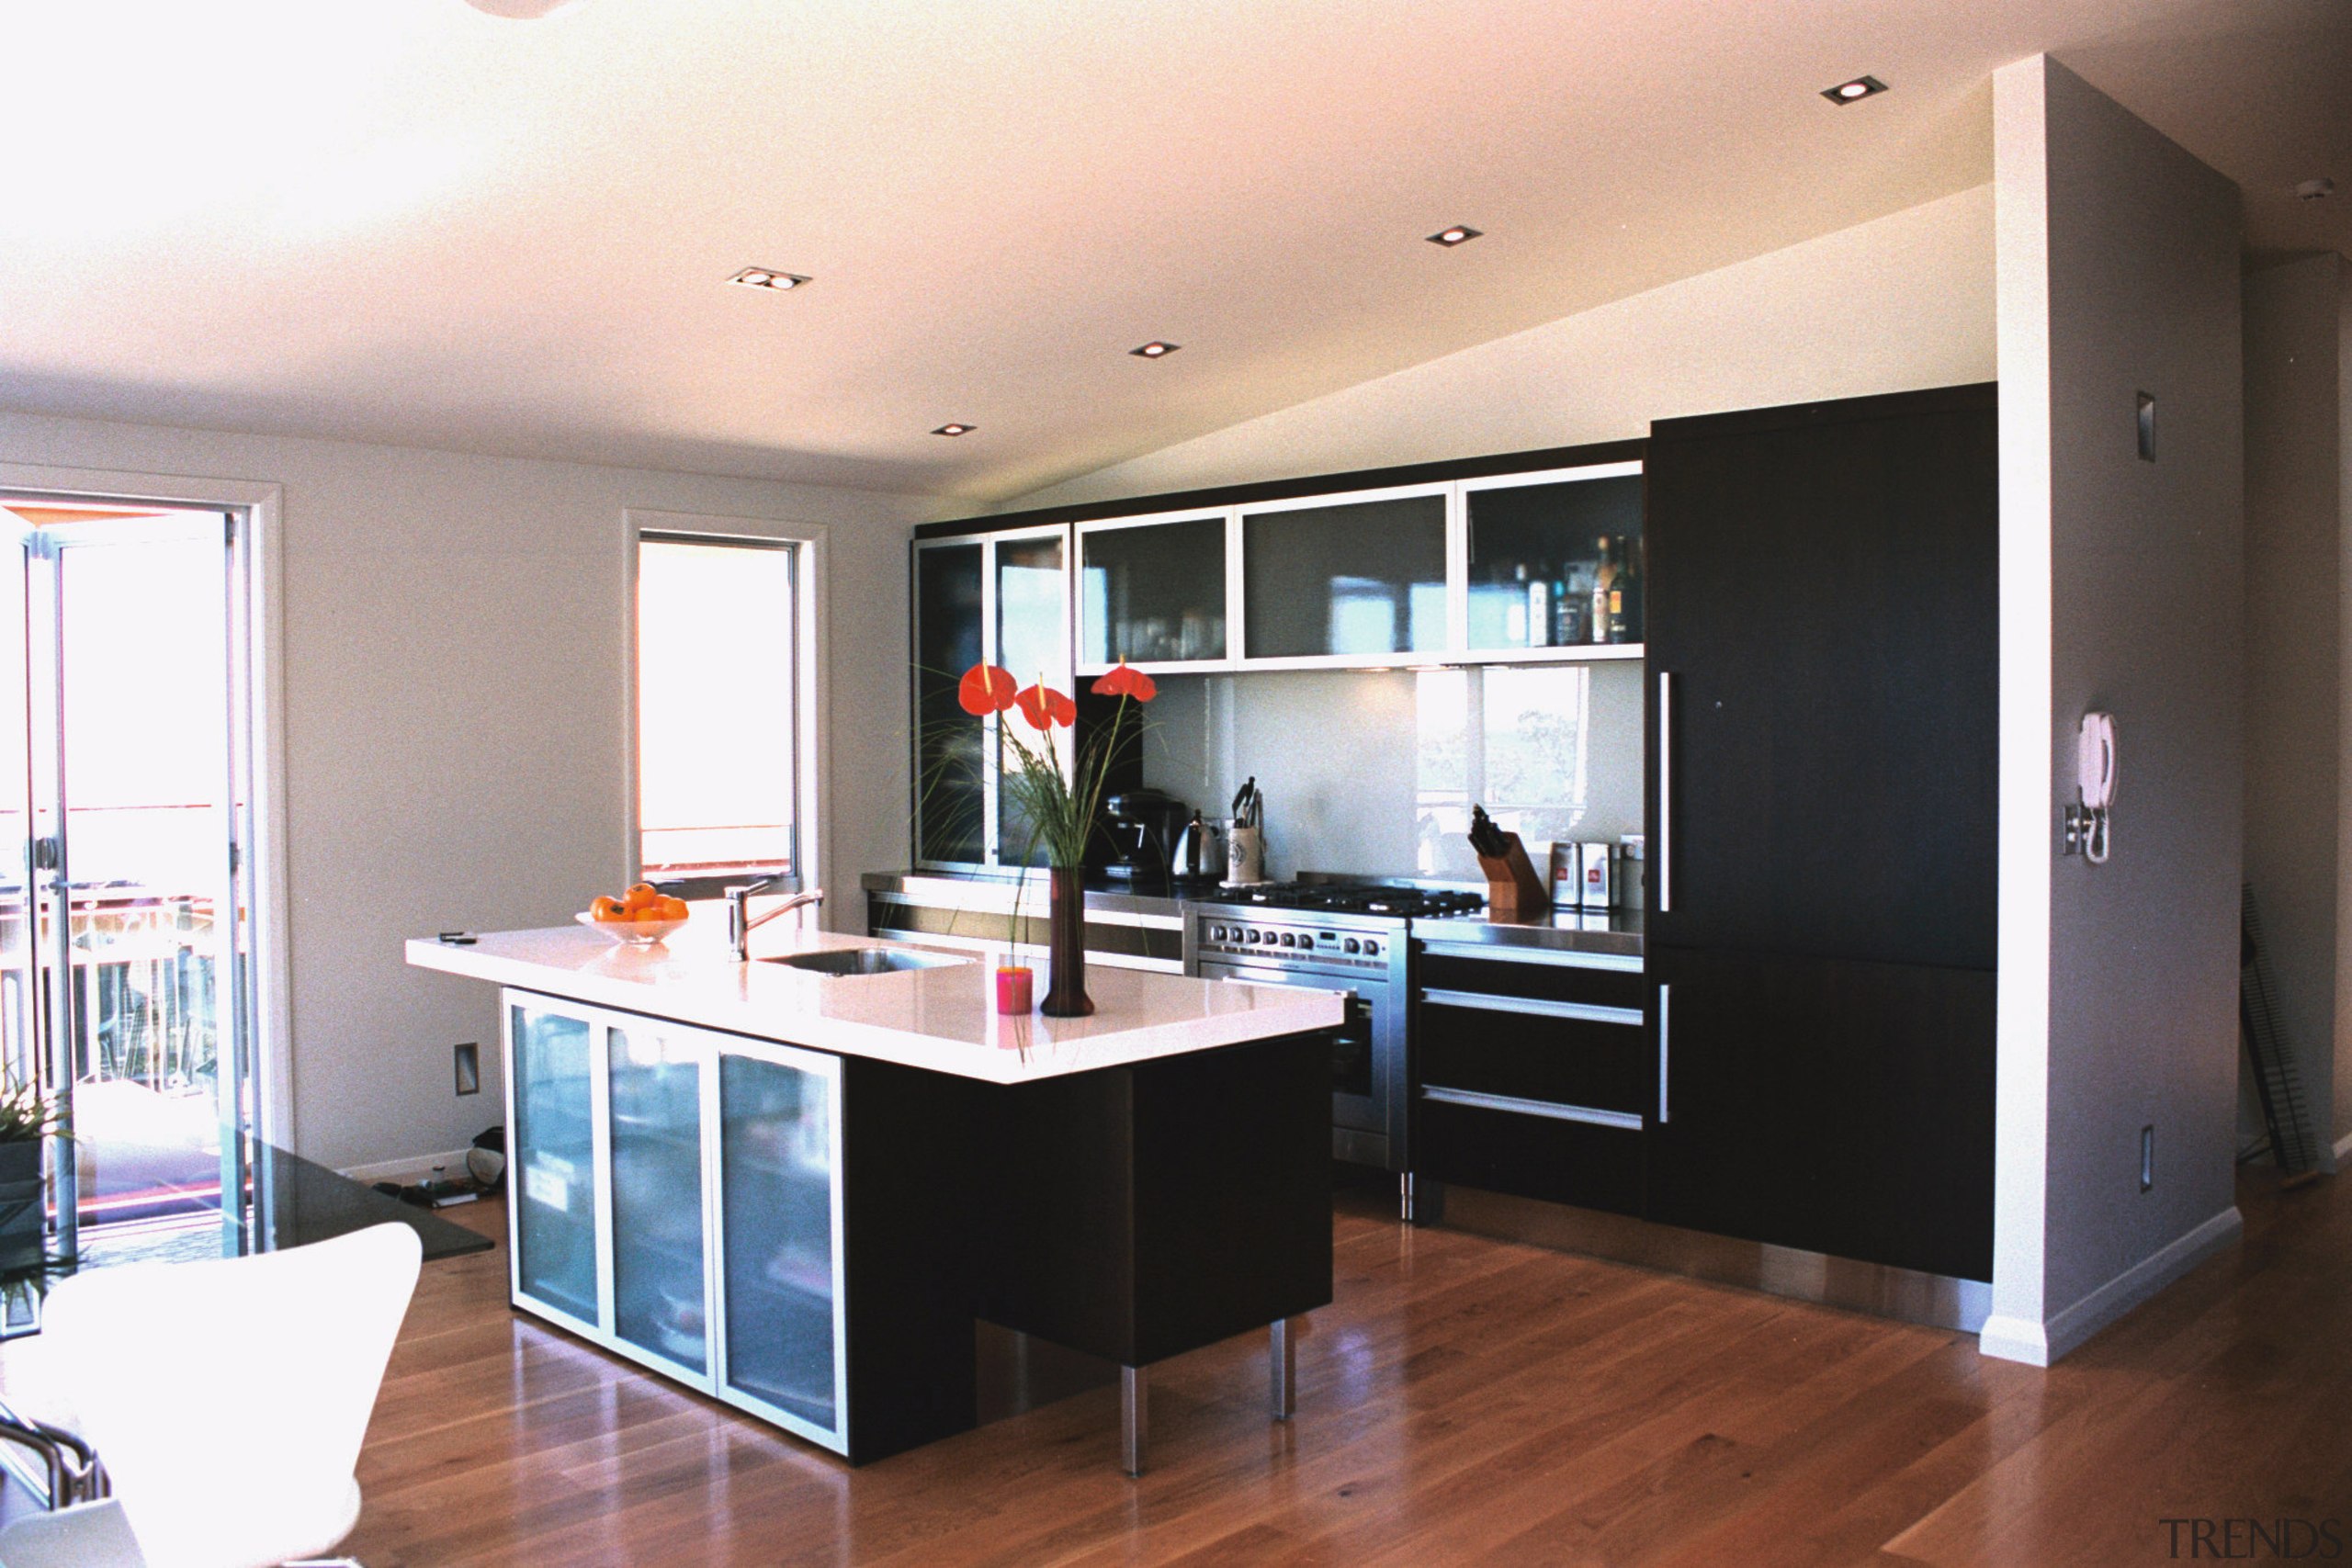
(1513, 890)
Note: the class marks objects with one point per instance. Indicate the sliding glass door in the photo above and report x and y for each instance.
(124, 948)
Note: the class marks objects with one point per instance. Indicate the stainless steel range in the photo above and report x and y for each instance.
(1339, 936)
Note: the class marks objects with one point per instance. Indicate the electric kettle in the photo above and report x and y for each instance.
(1199, 849)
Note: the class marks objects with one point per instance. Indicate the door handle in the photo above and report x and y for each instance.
(1665, 1050)
(1664, 790)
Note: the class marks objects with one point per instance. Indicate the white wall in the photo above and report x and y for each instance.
(1901, 303)
(2296, 536)
(2121, 590)
(454, 678)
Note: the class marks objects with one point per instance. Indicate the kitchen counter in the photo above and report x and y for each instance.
(1611, 932)
(940, 1020)
(796, 1192)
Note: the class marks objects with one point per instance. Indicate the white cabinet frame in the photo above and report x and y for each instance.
(710, 1046)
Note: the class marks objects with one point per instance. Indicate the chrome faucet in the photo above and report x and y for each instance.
(740, 925)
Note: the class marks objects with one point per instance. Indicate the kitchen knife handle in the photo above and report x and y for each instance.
(1664, 790)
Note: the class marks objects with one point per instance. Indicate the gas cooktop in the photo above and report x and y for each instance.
(1353, 898)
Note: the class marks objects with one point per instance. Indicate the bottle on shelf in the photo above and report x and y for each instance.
(1515, 609)
(1539, 607)
(1626, 601)
(1565, 629)
(1604, 576)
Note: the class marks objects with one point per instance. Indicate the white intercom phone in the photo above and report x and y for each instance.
(2095, 775)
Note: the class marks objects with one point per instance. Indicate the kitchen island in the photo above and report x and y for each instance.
(796, 1191)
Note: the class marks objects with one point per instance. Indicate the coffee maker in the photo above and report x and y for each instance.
(1141, 826)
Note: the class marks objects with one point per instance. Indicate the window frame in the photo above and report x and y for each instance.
(812, 732)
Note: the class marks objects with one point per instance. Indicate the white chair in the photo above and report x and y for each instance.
(87, 1535)
(227, 1399)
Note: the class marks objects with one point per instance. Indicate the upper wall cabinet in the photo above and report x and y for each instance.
(999, 599)
(1553, 563)
(1154, 590)
(1342, 581)
(1543, 565)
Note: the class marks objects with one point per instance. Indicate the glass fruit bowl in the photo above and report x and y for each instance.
(634, 933)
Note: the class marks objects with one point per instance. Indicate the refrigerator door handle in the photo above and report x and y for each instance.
(1665, 1049)
(1664, 790)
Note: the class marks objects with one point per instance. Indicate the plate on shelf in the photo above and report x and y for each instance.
(636, 933)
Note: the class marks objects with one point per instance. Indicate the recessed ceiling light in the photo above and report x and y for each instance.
(952, 428)
(1855, 91)
(1454, 234)
(520, 10)
(1155, 349)
(768, 278)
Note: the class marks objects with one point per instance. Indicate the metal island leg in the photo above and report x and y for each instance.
(1134, 1416)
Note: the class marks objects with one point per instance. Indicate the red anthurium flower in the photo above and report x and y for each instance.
(986, 689)
(1045, 707)
(1124, 679)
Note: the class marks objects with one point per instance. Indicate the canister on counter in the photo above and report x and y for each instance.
(1597, 875)
(1565, 876)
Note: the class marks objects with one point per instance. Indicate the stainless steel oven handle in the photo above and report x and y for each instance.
(1664, 790)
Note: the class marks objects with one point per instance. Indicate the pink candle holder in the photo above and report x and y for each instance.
(1015, 990)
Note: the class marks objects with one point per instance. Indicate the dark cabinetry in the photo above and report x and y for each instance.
(1841, 1107)
(1823, 625)
(1534, 1074)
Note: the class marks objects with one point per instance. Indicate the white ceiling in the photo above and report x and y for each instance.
(403, 221)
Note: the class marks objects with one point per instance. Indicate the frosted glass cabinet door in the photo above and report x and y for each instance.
(555, 1158)
(778, 1140)
(950, 820)
(656, 1138)
(1353, 578)
(1534, 552)
(1152, 593)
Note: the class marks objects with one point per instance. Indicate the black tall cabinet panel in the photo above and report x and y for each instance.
(1822, 774)
(1823, 610)
(1838, 1107)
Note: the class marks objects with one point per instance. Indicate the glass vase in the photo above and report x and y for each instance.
(1066, 944)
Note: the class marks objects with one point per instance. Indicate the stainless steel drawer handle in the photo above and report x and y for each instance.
(1494, 952)
(1536, 1007)
(1623, 1120)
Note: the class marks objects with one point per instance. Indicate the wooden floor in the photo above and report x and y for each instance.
(1463, 1400)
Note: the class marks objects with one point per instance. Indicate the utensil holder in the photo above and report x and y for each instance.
(1513, 890)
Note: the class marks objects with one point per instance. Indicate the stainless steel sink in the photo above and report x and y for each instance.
(844, 960)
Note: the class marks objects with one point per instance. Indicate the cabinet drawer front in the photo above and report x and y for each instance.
(1560, 980)
(1532, 1157)
(1555, 1059)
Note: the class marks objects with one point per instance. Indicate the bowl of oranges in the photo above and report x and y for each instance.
(640, 916)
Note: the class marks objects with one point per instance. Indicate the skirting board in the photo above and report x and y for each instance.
(2012, 1339)
(415, 1168)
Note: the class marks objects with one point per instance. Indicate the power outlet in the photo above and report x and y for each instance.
(468, 1067)
(2147, 1157)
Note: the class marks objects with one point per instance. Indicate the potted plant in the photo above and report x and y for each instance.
(1060, 802)
(26, 1118)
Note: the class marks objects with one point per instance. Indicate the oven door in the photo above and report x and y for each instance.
(1361, 1081)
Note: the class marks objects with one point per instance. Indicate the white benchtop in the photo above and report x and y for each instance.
(942, 1018)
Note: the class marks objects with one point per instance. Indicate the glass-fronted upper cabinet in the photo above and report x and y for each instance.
(655, 1099)
(554, 1161)
(779, 1142)
(1151, 591)
(1554, 561)
(1001, 599)
(1346, 580)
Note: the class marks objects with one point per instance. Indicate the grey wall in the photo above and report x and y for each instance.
(2122, 591)
(454, 682)
(1374, 772)
(2295, 689)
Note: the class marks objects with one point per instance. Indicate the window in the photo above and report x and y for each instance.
(719, 710)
